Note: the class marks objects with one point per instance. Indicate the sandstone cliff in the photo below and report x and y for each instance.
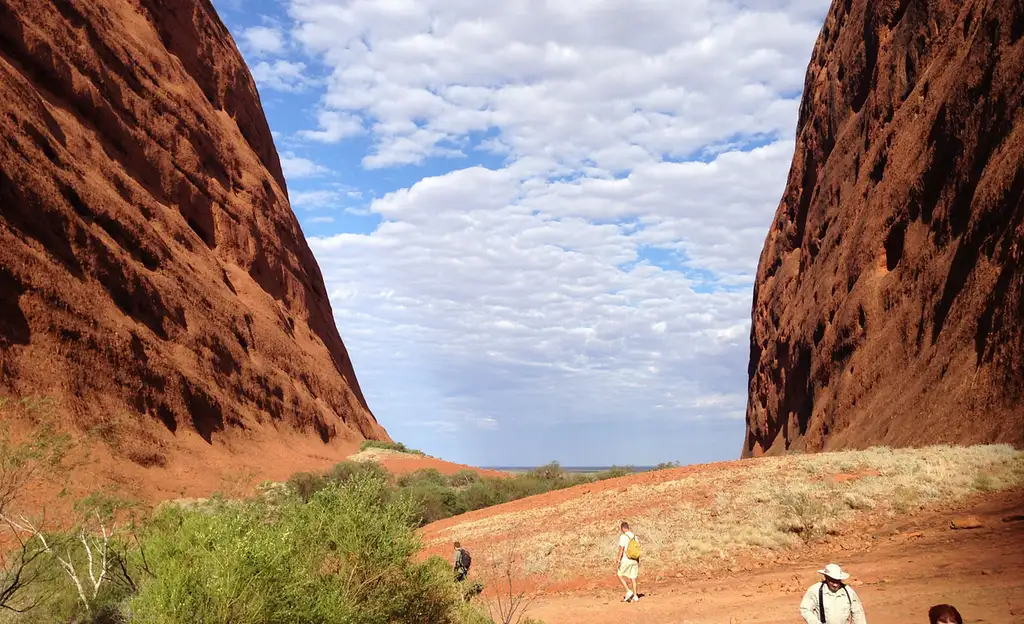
(150, 264)
(889, 300)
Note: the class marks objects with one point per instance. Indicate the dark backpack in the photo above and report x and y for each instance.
(821, 601)
(465, 560)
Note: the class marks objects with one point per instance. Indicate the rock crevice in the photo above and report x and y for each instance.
(150, 262)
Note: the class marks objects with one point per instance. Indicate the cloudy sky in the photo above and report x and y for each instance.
(538, 220)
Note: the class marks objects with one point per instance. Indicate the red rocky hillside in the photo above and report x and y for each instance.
(151, 268)
(889, 300)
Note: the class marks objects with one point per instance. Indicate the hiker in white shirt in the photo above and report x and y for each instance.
(627, 568)
(832, 601)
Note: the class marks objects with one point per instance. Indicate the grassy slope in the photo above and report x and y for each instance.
(715, 513)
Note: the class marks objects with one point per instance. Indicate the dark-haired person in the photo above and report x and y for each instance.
(832, 601)
(944, 614)
(461, 562)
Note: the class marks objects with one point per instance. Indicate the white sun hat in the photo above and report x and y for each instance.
(833, 571)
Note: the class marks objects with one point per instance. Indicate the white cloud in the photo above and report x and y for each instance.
(320, 198)
(297, 167)
(321, 220)
(281, 76)
(653, 76)
(263, 41)
(334, 127)
(603, 270)
(328, 196)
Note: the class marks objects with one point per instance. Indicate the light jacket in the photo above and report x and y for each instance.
(838, 607)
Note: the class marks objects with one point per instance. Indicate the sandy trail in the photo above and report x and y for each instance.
(979, 571)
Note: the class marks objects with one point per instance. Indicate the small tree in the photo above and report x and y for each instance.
(88, 555)
(506, 574)
(20, 570)
(23, 463)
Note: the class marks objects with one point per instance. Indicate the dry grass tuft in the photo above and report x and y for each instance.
(766, 503)
(128, 436)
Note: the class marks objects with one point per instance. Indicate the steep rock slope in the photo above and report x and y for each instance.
(150, 263)
(889, 300)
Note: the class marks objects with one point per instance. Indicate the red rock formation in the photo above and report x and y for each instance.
(150, 263)
(889, 300)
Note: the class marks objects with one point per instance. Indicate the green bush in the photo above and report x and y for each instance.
(549, 472)
(424, 475)
(347, 470)
(614, 472)
(344, 556)
(437, 496)
(434, 501)
(463, 478)
(388, 446)
(306, 484)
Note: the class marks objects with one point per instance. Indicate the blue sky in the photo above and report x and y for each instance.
(538, 222)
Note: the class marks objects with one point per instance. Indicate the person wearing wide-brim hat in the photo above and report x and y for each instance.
(832, 601)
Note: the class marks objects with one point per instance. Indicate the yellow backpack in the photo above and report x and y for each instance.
(633, 549)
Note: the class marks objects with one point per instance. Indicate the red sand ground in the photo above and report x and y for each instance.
(190, 467)
(898, 578)
(900, 567)
(186, 466)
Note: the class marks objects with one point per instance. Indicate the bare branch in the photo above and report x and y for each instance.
(509, 604)
(93, 549)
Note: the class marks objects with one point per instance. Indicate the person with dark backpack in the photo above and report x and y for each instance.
(462, 562)
(832, 601)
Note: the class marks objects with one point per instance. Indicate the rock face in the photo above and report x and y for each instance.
(889, 300)
(150, 263)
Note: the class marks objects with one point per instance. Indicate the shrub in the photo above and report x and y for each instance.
(388, 446)
(986, 483)
(857, 501)
(424, 475)
(479, 495)
(438, 497)
(41, 457)
(667, 465)
(615, 472)
(347, 470)
(434, 501)
(550, 472)
(805, 514)
(306, 484)
(463, 478)
(344, 556)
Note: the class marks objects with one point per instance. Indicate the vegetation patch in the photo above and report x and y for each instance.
(769, 504)
(437, 496)
(333, 548)
(397, 447)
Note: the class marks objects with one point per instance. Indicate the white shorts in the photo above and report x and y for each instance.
(629, 568)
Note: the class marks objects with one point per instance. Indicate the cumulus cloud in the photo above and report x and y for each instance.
(297, 167)
(263, 40)
(320, 198)
(599, 268)
(330, 195)
(321, 220)
(334, 127)
(281, 75)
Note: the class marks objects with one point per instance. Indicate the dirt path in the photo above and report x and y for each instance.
(922, 562)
